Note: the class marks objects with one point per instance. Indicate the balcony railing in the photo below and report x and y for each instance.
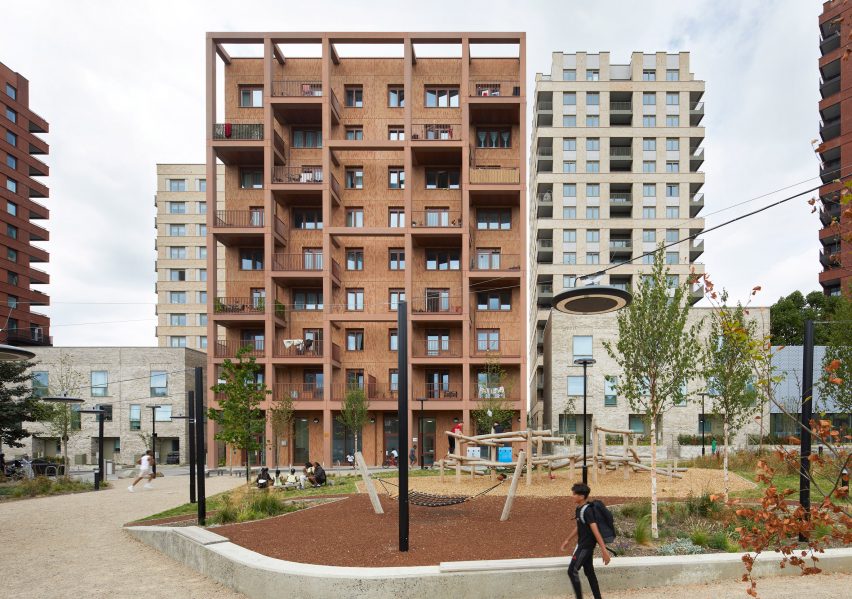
(238, 131)
(229, 349)
(433, 391)
(493, 392)
(829, 43)
(239, 305)
(494, 175)
(296, 87)
(239, 218)
(297, 262)
(436, 305)
(544, 198)
(544, 106)
(492, 87)
(297, 174)
(621, 107)
(441, 219)
(545, 290)
(495, 262)
(545, 152)
(36, 336)
(620, 244)
(373, 391)
(544, 244)
(436, 132)
(297, 348)
(425, 348)
(506, 348)
(620, 152)
(624, 199)
(298, 391)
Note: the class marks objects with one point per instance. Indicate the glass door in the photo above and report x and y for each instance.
(426, 438)
(301, 442)
(437, 342)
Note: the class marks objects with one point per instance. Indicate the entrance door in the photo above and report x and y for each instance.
(391, 433)
(426, 445)
(301, 442)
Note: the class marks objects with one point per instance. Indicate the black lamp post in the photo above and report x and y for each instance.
(585, 363)
(100, 475)
(154, 437)
(420, 433)
(703, 395)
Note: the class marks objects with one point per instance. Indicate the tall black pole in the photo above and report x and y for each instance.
(585, 438)
(190, 401)
(420, 438)
(402, 411)
(154, 440)
(807, 413)
(200, 452)
(101, 471)
(703, 422)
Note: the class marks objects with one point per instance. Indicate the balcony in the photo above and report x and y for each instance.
(298, 391)
(696, 248)
(297, 348)
(373, 391)
(544, 293)
(436, 219)
(446, 348)
(494, 175)
(544, 153)
(696, 293)
(829, 87)
(830, 170)
(696, 159)
(243, 219)
(491, 88)
(544, 250)
(494, 392)
(830, 213)
(696, 113)
(490, 262)
(239, 305)
(437, 391)
(544, 106)
(289, 88)
(436, 132)
(238, 131)
(696, 204)
(503, 348)
(621, 247)
(307, 174)
(539, 338)
(229, 349)
(829, 43)
(544, 204)
(620, 154)
(442, 305)
(621, 114)
(28, 337)
(829, 129)
(305, 262)
(830, 258)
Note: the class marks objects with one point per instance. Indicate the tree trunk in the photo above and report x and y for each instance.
(725, 455)
(65, 454)
(248, 461)
(655, 532)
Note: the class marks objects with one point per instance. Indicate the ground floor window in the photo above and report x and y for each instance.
(343, 443)
(301, 442)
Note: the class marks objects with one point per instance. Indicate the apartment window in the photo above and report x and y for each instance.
(649, 99)
(355, 299)
(575, 385)
(569, 212)
(163, 414)
(12, 208)
(135, 417)
(672, 120)
(256, 220)
(177, 320)
(355, 340)
(202, 274)
(251, 178)
(649, 75)
(569, 236)
(569, 74)
(610, 399)
(202, 253)
(396, 218)
(12, 255)
(443, 259)
(177, 274)
(355, 217)
(672, 75)
(201, 185)
(593, 212)
(672, 212)
(251, 97)
(159, 383)
(354, 378)
(355, 259)
(593, 190)
(672, 166)
(569, 166)
(202, 320)
(494, 301)
(569, 281)
(11, 162)
(569, 98)
(593, 144)
(12, 278)
(649, 120)
(569, 257)
(307, 300)
(649, 166)
(396, 96)
(354, 178)
(569, 190)
(569, 144)
(569, 120)
(649, 212)
(442, 97)
(202, 342)
(396, 259)
(12, 231)
(353, 96)
(649, 144)
(12, 185)
(99, 383)
(648, 259)
(442, 178)
(582, 346)
(355, 133)
(307, 218)
(396, 133)
(394, 297)
(393, 380)
(593, 236)
(498, 137)
(251, 259)
(307, 138)
(672, 190)
(177, 184)
(672, 98)
(177, 297)
(11, 138)
(177, 207)
(494, 219)
(593, 98)
(649, 190)
(12, 301)
(11, 92)
(396, 177)
(393, 340)
(487, 340)
(649, 236)
(593, 120)
(593, 166)
(672, 235)
(177, 230)
(202, 297)
(592, 75)
(593, 258)
(672, 257)
(672, 144)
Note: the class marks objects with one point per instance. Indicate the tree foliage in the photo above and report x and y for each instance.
(835, 382)
(787, 317)
(355, 411)
(492, 405)
(62, 420)
(240, 419)
(657, 353)
(17, 403)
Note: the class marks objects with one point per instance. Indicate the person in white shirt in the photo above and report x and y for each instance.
(146, 462)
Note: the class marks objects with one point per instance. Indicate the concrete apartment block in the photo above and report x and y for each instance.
(181, 246)
(127, 380)
(565, 333)
(351, 183)
(614, 171)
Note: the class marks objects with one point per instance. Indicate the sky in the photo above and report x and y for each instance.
(122, 86)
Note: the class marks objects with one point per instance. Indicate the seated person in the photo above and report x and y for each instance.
(319, 477)
(307, 474)
(292, 481)
(263, 478)
(279, 481)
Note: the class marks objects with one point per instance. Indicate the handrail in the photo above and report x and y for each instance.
(239, 218)
(235, 130)
(296, 87)
(307, 173)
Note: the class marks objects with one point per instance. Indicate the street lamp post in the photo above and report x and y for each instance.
(420, 433)
(703, 395)
(100, 475)
(585, 363)
(154, 437)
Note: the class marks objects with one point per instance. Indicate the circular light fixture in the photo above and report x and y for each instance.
(592, 299)
(10, 353)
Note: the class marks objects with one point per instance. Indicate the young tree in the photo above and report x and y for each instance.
(835, 384)
(281, 416)
(657, 352)
(355, 411)
(787, 316)
(17, 403)
(492, 406)
(729, 369)
(239, 418)
(61, 419)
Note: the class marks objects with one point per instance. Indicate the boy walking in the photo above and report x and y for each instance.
(145, 464)
(588, 535)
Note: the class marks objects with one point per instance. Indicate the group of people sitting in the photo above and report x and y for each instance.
(312, 474)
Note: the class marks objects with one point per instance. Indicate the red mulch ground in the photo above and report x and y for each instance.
(348, 533)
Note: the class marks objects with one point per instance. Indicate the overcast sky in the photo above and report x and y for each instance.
(122, 85)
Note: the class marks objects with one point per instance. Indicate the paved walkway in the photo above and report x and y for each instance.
(73, 546)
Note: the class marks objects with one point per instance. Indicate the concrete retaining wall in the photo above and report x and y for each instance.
(261, 577)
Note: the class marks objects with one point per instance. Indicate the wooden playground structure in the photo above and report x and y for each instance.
(629, 459)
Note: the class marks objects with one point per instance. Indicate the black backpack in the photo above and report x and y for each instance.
(604, 520)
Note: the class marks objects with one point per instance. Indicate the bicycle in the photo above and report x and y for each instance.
(389, 461)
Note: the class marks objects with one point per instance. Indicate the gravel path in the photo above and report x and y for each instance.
(73, 546)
